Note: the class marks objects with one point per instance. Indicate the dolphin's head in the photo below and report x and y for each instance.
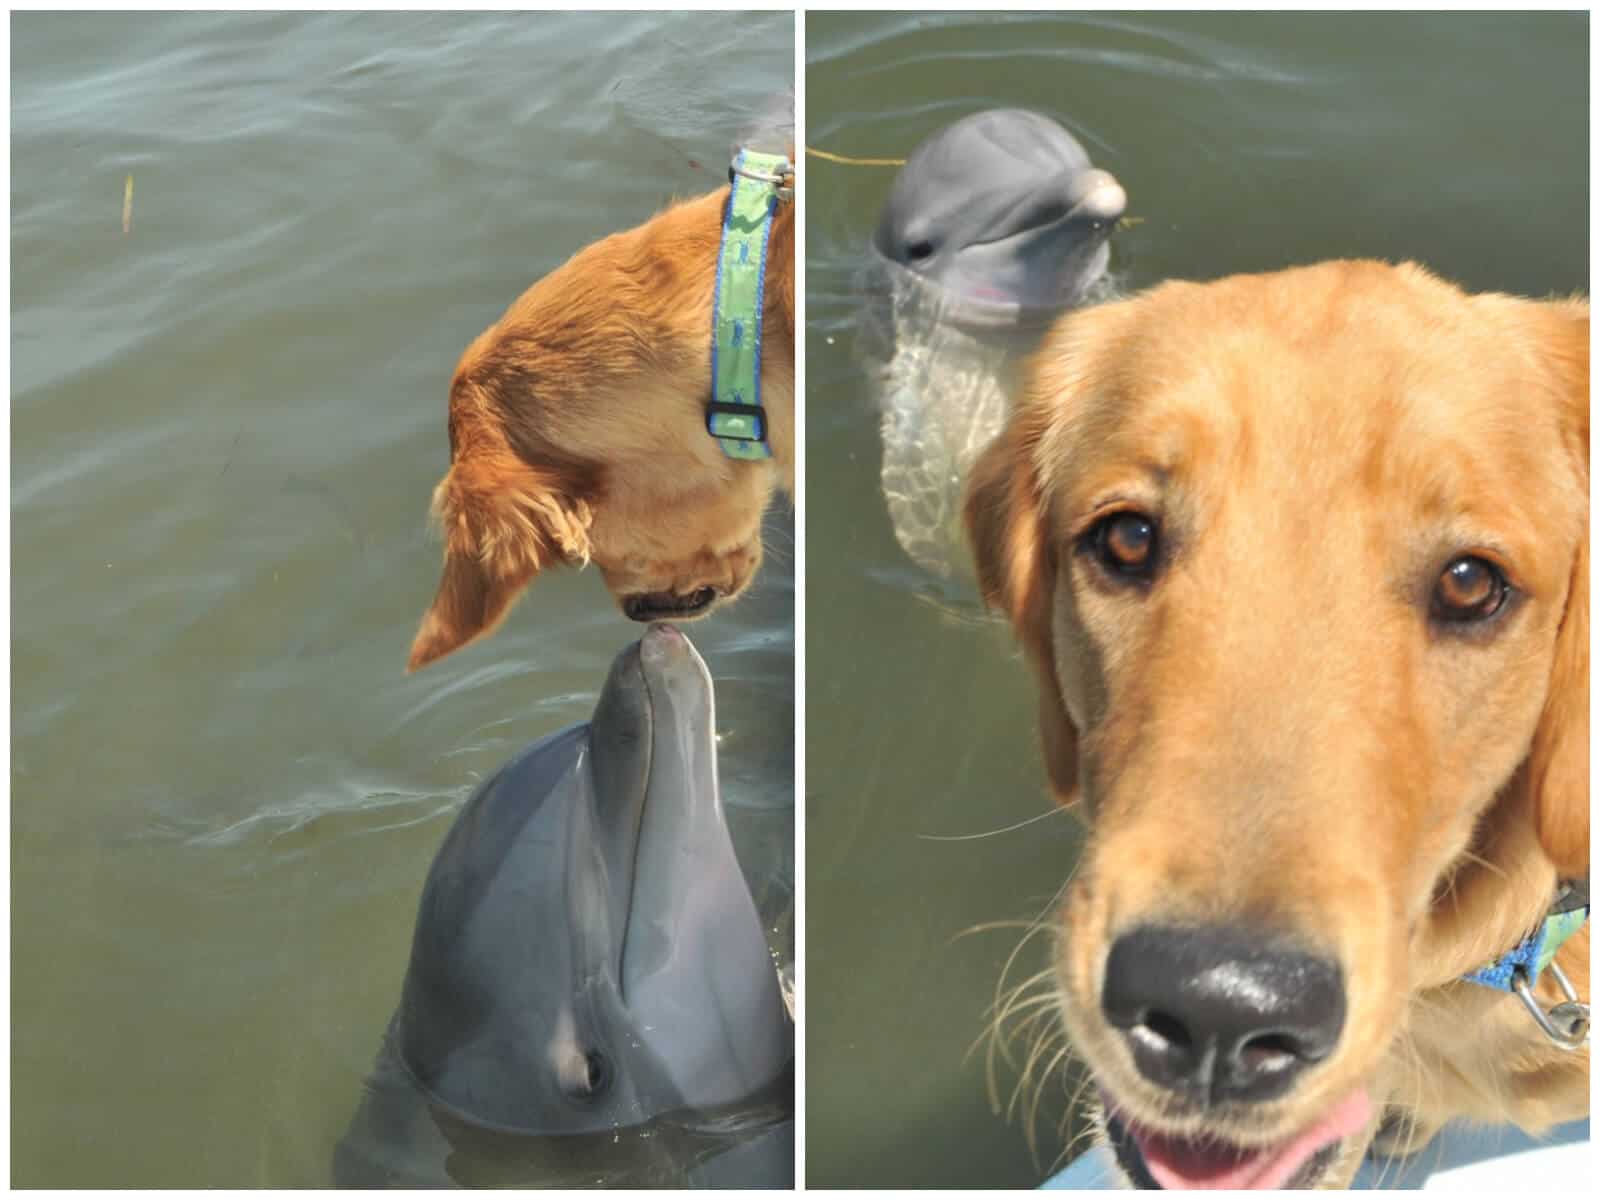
(587, 955)
(1003, 215)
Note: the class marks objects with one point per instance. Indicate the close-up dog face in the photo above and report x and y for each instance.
(1300, 562)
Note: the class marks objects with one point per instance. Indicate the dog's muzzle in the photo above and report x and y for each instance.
(669, 606)
(1219, 1021)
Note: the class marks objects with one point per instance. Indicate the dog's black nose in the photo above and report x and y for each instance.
(1218, 1015)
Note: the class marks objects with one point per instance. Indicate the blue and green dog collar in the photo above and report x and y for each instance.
(1566, 1024)
(1536, 951)
(735, 416)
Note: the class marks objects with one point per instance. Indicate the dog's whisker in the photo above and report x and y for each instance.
(1479, 860)
(972, 837)
(1015, 999)
(1042, 1037)
(1035, 1026)
(1058, 1067)
(1033, 931)
(1024, 1022)
(778, 550)
(1045, 1001)
(1000, 1042)
(1002, 991)
(1024, 1014)
(1005, 1008)
(1058, 1070)
(1069, 1150)
(1016, 1013)
(1039, 1047)
(988, 927)
(1055, 900)
(1058, 1055)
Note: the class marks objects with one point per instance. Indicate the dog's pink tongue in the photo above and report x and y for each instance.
(1179, 1164)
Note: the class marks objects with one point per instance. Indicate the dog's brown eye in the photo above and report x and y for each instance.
(1125, 544)
(1469, 589)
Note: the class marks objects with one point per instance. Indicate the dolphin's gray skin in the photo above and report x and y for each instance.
(995, 225)
(590, 996)
(1002, 213)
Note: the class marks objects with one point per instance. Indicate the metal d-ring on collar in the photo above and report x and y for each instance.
(782, 175)
(1516, 971)
(1567, 1024)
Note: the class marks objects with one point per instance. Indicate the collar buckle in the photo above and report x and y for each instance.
(744, 423)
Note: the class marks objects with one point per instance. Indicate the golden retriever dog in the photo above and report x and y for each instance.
(578, 433)
(1300, 562)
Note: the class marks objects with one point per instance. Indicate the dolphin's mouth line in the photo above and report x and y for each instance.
(1097, 205)
(1076, 213)
(649, 745)
(1017, 234)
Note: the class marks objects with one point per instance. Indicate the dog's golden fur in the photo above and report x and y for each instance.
(1274, 733)
(577, 430)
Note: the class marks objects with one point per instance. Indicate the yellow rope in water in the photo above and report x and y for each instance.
(855, 162)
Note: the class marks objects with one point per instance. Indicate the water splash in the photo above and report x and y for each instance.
(944, 377)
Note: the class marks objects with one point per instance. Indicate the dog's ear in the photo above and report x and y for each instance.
(1558, 764)
(503, 522)
(1008, 528)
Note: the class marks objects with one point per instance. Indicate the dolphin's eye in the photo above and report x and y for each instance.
(918, 251)
(597, 1073)
(586, 1077)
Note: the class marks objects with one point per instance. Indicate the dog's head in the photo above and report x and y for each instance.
(667, 547)
(577, 435)
(1300, 561)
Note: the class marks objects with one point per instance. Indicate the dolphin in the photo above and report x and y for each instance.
(1003, 213)
(994, 226)
(590, 996)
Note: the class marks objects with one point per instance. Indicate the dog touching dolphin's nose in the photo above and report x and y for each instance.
(582, 422)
